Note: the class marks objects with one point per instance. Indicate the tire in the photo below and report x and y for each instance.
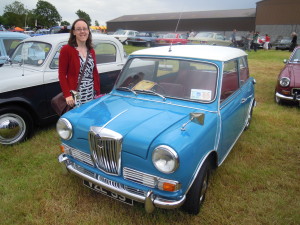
(249, 116)
(16, 125)
(196, 195)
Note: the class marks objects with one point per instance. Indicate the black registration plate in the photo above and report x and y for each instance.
(107, 192)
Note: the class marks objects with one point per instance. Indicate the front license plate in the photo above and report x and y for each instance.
(107, 192)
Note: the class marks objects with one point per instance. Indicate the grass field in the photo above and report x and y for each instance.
(259, 182)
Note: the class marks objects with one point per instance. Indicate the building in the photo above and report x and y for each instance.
(273, 17)
(278, 17)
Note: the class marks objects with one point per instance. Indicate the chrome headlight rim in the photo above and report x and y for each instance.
(165, 151)
(284, 81)
(64, 129)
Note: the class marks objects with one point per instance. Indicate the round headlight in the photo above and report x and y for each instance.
(284, 81)
(165, 159)
(64, 128)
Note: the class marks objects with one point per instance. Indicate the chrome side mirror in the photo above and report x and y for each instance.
(197, 118)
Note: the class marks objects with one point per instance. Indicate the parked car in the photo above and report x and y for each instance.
(282, 43)
(171, 38)
(30, 81)
(40, 32)
(288, 83)
(123, 35)
(173, 115)
(209, 38)
(8, 42)
(143, 38)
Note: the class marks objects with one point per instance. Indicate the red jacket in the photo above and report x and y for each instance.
(69, 68)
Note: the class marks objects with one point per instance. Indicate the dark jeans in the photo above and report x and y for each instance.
(255, 46)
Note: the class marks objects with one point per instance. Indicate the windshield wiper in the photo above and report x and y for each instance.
(127, 88)
(155, 93)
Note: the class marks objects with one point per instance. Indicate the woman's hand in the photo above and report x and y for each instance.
(70, 101)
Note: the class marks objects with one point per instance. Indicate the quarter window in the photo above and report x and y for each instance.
(105, 53)
(230, 81)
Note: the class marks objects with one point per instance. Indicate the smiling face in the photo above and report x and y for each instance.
(81, 31)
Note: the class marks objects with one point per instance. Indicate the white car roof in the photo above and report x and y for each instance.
(56, 38)
(217, 53)
(8, 34)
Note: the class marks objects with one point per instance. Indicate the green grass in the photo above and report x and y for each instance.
(257, 184)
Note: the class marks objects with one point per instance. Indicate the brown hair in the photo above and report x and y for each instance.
(72, 39)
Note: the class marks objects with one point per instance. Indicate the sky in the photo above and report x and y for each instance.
(106, 10)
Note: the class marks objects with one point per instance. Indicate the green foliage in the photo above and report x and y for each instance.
(46, 13)
(258, 183)
(64, 23)
(16, 7)
(96, 23)
(84, 15)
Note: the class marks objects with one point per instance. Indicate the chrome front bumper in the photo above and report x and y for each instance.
(288, 98)
(150, 201)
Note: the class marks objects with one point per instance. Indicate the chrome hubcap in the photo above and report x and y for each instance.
(204, 187)
(12, 128)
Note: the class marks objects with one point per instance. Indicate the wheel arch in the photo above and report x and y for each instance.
(24, 105)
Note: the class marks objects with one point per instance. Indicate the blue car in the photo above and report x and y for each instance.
(172, 117)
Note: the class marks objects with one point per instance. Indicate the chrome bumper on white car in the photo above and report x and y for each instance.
(149, 199)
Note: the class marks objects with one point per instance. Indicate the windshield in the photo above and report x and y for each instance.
(31, 53)
(120, 32)
(171, 78)
(296, 56)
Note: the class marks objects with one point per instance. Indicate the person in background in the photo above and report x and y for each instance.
(71, 62)
(255, 40)
(192, 34)
(249, 40)
(64, 30)
(293, 42)
(267, 42)
(233, 38)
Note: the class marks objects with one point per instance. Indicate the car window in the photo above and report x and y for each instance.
(10, 45)
(230, 81)
(219, 37)
(55, 61)
(244, 70)
(172, 78)
(105, 52)
(31, 53)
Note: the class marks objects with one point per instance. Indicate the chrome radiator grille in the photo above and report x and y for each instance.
(106, 146)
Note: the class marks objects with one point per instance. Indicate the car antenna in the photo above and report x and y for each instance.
(170, 49)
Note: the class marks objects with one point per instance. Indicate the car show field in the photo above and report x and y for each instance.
(258, 183)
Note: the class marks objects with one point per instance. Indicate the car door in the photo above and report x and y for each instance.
(110, 61)
(232, 111)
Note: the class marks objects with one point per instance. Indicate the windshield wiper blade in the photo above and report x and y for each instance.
(127, 88)
(155, 93)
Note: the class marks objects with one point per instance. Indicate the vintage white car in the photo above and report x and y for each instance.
(123, 35)
(30, 80)
(209, 38)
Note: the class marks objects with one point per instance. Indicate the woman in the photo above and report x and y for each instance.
(293, 42)
(267, 42)
(71, 63)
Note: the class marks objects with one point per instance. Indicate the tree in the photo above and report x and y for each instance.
(65, 23)
(96, 23)
(15, 14)
(16, 7)
(46, 14)
(84, 15)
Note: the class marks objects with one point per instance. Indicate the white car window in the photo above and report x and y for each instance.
(105, 52)
(31, 53)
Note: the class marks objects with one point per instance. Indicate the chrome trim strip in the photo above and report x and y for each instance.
(168, 103)
(286, 97)
(149, 200)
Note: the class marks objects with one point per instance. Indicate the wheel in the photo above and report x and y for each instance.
(1, 65)
(148, 44)
(196, 195)
(16, 125)
(249, 118)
